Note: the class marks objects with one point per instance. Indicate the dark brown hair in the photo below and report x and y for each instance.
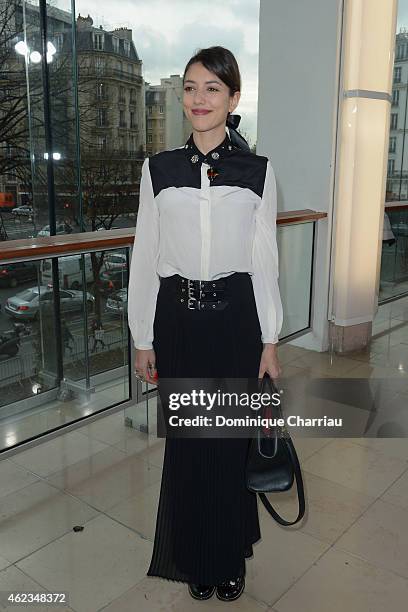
(221, 62)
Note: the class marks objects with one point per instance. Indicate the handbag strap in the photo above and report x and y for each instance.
(300, 490)
(298, 476)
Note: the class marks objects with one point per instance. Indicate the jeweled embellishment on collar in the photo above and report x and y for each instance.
(217, 154)
(212, 173)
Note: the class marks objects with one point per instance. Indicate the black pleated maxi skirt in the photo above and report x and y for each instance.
(207, 520)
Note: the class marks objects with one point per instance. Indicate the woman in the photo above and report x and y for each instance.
(204, 302)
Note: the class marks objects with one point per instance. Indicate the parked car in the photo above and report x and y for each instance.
(26, 305)
(116, 303)
(70, 271)
(113, 280)
(23, 211)
(115, 261)
(13, 274)
(62, 228)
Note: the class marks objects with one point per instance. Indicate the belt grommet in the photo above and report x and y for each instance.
(213, 305)
(213, 284)
(214, 294)
(182, 300)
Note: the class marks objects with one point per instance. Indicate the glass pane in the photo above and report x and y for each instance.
(63, 347)
(27, 338)
(295, 244)
(394, 259)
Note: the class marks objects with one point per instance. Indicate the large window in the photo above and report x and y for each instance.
(394, 262)
(72, 144)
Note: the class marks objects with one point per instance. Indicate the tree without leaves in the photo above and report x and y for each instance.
(22, 129)
(106, 180)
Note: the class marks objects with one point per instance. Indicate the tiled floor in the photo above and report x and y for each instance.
(350, 552)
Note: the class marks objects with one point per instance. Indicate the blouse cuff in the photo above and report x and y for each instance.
(144, 347)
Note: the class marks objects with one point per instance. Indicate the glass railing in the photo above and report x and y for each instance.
(394, 257)
(65, 348)
(295, 246)
(64, 342)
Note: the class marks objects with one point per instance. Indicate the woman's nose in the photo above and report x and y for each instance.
(198, 96)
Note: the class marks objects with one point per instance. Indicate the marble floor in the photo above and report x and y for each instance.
(350, 552)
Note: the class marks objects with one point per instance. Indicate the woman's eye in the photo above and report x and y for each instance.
(188, 88)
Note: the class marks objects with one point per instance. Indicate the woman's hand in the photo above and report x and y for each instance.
(145, 365)
(269, 362)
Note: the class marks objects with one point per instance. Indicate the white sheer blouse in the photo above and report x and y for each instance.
(192, 232)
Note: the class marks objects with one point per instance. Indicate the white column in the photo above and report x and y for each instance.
(363, 135)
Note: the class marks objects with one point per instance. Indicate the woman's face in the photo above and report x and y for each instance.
(206, 98)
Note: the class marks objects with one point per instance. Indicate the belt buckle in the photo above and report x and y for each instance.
(190, 289)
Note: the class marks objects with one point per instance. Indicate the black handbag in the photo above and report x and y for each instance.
(272, 462)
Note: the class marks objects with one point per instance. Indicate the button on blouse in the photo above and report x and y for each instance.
(203, 228)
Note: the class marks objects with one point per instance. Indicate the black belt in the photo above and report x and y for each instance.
(201, 295)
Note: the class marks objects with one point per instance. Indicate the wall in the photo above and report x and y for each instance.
(297, 114)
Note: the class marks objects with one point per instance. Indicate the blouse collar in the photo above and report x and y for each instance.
(194, 154)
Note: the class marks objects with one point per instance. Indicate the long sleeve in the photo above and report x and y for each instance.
(144, 281)
(265, 262)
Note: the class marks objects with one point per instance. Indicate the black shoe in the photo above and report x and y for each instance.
(231, 589)
(201, 591)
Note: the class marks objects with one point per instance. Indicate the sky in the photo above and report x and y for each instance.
(402, 19)
(166, 33)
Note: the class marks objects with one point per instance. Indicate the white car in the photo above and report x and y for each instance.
(62, 228)
(24, 211)
(115, 261)
(116, 303)
(26, 304)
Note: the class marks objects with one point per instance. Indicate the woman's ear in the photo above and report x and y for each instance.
(234, 101)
